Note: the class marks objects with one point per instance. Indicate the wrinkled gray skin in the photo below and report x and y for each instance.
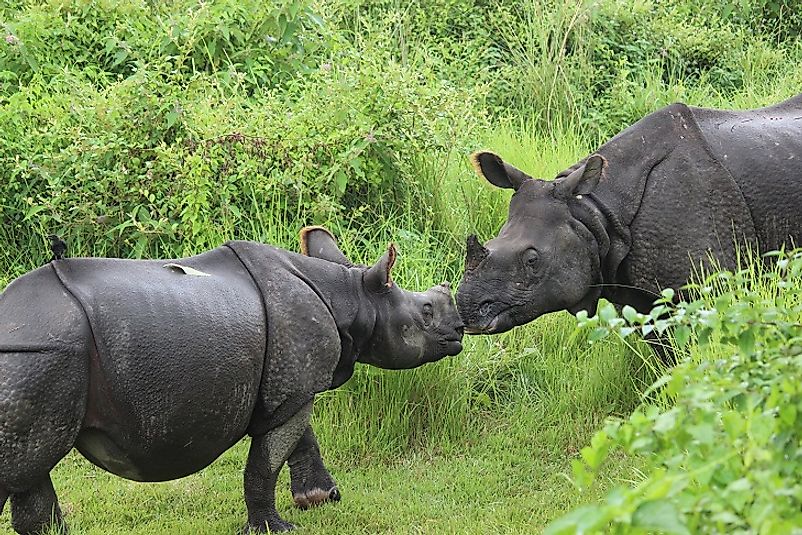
(663, 196)
(152, 369)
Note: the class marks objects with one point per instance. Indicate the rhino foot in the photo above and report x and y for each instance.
(316, 496)
(274, 524)
(37, 511)
(310, 483)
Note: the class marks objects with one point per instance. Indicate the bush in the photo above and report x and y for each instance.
(723, 448)
(145, 165)
(106, 39)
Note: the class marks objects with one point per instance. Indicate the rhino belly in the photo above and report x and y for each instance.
(167, 438)
(176, 367)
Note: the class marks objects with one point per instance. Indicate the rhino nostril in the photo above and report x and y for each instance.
(484, 308)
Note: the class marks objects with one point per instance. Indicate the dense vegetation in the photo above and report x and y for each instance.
(138, 128)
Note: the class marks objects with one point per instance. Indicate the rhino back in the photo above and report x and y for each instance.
(762, 150)
(179, 354)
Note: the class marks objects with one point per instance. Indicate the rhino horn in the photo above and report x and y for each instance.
(475, 253)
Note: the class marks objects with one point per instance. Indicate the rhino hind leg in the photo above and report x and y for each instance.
(3, 497)
(44, 384)
(311, 484)
(36, 510)
(43, 401)
(660, 344)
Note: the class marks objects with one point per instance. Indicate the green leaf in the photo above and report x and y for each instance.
(340, 181)
(746, 342)
(626, 331)
(666, 421)
(702, 432)
(607, 313)
(681, 336)
(598, 333)
(172, 117)
(356, 164)
(315, 18)
(584, 519)
(788, 414)
(630, 314)
(582, 477)
(661, 516)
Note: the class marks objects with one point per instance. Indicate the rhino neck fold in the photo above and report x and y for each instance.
(611, 209)
(356, 319)
(341, 289)
(338, 287)
(597, 228)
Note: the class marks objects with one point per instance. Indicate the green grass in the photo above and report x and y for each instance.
(503, 472)
(511, 483)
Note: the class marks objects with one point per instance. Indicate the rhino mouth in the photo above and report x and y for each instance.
(499, 323)
(453, 347)
(451, 344)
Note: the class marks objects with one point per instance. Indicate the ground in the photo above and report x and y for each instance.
(508, 482)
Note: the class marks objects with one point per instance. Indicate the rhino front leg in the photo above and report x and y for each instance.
(311, 484)
(267, 455)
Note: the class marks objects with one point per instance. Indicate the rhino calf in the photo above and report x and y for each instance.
(152, 369)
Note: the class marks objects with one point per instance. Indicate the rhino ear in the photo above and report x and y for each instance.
(318, 242)
(378, 277)
(496, 171)
(584, 179)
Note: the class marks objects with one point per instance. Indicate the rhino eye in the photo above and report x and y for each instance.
(428, 313)
(531, 258)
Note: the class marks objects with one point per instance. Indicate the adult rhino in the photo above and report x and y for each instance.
(152, 369)
(662, 196)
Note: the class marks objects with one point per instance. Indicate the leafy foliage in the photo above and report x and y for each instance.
(174, 135)
(107, 39)
(722, 438)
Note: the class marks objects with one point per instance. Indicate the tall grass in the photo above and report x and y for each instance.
(549, 60)
(543, 374)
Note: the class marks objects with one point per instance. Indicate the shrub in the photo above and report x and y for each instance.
(146, 164)
(722, 448)
(106, 40)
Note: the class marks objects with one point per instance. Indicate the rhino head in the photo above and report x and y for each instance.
(407, 329)
(544, 258)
